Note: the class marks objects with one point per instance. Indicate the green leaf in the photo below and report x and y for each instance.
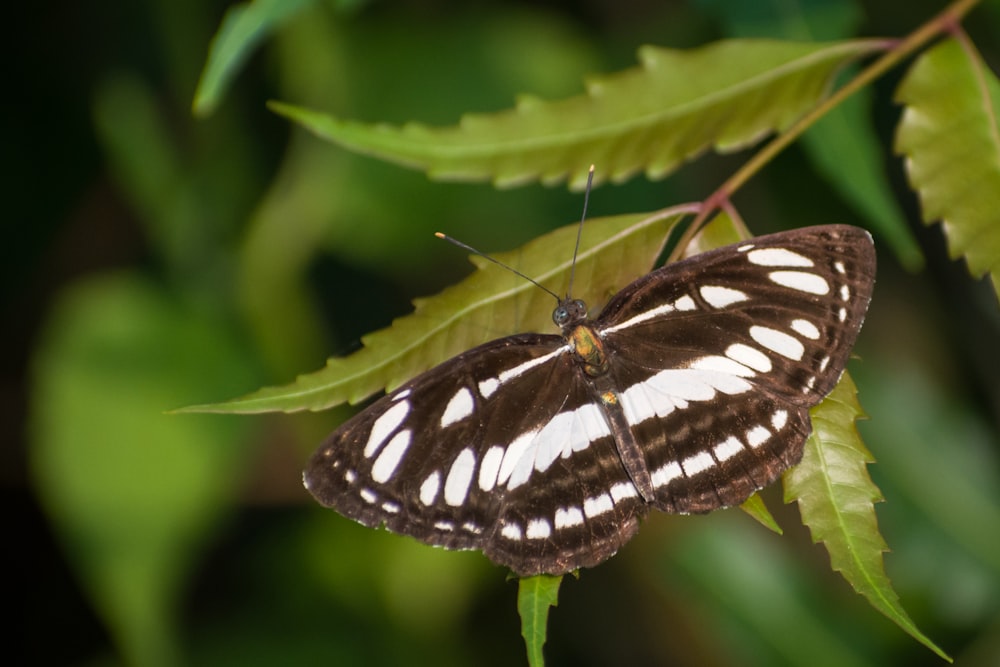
(677, 104)
(950, 135)
(491, 303)
(755, 507)
(837, 499)
(244, 27)
(534, 597)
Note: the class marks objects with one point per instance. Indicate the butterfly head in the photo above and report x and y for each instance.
(569, 313)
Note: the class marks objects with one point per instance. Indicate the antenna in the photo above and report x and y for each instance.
(576, 250)
(579, 231)
(464, 246)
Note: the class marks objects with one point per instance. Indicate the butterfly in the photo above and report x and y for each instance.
(689, 392)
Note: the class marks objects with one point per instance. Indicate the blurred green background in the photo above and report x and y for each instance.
(155, 260)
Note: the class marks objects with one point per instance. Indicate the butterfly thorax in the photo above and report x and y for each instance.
(589, 350)
(571, 316)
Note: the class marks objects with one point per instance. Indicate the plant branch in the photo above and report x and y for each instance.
(942, 23)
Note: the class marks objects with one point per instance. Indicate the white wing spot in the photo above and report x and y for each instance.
(806, 329)
(528, 365)
(401, 395)
(511, 531)
(757, 436)
(727, 449)
(538, 529)
(593, 426)
(487, 387)
(470, 527)
(674, 388)
(456, 487)
(778, 341)
(515, 451)
(801, 281)
(384, 426)
(779, 419)
(391, 508)
(429, 489)
(490, 467)
(721, 297)
(623, 490)
(459, 407)
(685, 303)
(368, 496)
(666, 474)
(823, 363)
(446, 526)
(845, 293)
(842, 314)
(568, 517)
(644, 316)
(597, 505)
(565, 433)
(388, 459)
(839, 267)
(698, 463)
(717, 364)
(350, 476)
(750, 357)
(778, 257)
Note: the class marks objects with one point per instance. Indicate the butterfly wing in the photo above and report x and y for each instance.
(718, 358)
(500, 449)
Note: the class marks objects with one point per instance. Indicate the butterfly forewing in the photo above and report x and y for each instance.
(693, 392)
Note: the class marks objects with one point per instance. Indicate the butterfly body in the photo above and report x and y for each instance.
(688, 392)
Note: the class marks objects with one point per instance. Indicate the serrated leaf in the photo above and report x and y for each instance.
(950, 135)
(755, 507)
(535, 595)
(837, 499)
(491, 303)
(677, 104)
(243, 28)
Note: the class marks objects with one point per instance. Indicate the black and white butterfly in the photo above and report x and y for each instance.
(689, 392)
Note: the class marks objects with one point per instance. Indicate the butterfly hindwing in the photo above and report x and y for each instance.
(708, 442)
